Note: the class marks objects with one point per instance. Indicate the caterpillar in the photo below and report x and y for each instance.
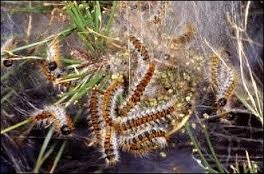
(226, 88)
(109, 101)
(53, 55)
(56, 116)
(110, 146)
(184, 38)
(135, 95)
(95, 116)
(10, 44)
(53, 76)
(142, 143)
(139, 47)
(151, 117)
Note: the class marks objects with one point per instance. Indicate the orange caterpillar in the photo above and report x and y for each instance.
(56, 116)
(109, 101)
(52, 76)
(134, 97)
(139, 47)
(184, 38)
(95, 117)
(144, 142)
(150, 117)
(53, 55)
(110, 146)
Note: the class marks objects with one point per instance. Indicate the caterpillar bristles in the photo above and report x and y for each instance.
(134, 97)
(109, 146)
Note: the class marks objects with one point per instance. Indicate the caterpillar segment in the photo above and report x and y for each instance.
(134, 97)
(110, 146)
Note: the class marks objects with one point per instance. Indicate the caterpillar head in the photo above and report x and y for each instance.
(8, 63)
(52, 65)
(222, 102)
(66, 130)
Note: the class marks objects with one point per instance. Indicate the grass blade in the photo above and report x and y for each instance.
(58, 156)
(42, 150)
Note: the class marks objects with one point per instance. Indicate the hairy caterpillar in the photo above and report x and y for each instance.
(95, 116)
(53, 55)
(10, 44)
(109, 146)
(152, 117)
(222, 78)
(135, 95)
(55, 115)
(184, 38)
(109, 101)
(139, 47)
(52, 76)
(226, 88)
(144, 142)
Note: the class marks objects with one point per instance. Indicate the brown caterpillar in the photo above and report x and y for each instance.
(109, 100)
(56, 116)
(134, 97)
(139, 47)
(144, 142)
(110, 146)
(184, 38)
(53, 76)
(150, 117)
(95, 117)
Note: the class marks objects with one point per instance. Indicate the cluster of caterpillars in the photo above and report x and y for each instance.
(117, 126)
(223, 80)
